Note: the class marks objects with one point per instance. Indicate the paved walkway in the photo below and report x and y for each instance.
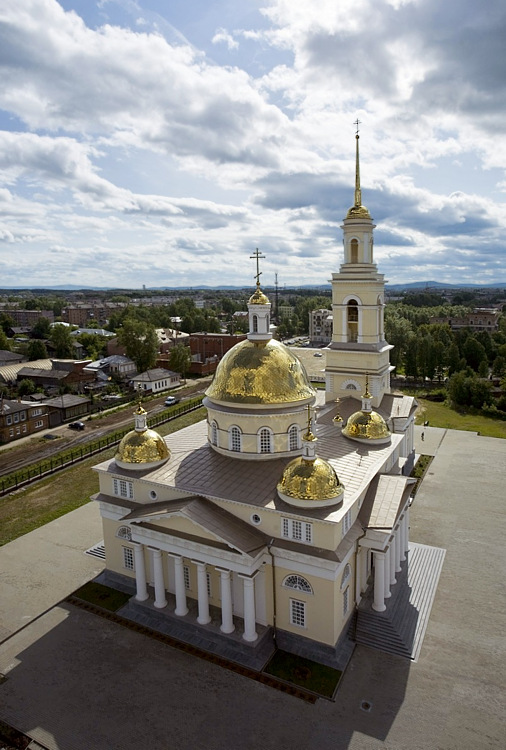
(40, 569)
(77, 682)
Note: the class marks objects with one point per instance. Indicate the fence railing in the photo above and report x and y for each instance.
(32, 473)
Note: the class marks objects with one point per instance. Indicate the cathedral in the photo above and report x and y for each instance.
(270, 520)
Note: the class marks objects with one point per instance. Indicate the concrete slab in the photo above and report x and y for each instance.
(41, 568)
(428, 439)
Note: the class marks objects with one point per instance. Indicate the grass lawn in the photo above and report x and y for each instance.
(440, 415)
(25, 510)
(305, 673)
(102, 596)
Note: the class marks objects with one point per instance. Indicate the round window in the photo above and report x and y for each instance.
(153, 495)
(255, 518)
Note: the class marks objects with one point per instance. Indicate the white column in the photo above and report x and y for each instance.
(397, 538)
(140, 574)
(227, 620)
(402, 530)
(391, 573)
(388, 553)
(363, 573)
(250, 633)
(406, 527)
(160, 599)
(181, 608)
(202, 595)
(379, 582)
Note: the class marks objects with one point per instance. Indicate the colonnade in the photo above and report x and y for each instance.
(388, 562)
(181, 608)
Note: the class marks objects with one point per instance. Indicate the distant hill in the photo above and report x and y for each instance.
(418, 285)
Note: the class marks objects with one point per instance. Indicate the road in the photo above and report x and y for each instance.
(35, 448)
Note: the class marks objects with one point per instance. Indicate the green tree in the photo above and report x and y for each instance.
(398, 332)
(6, 322)
(140, 341)
(453, 359)
(25, 387)
(42, 329)
(62, 342)
(474, 352)
(4, 341)
(499, 367)
(180, 359)
(36, 350)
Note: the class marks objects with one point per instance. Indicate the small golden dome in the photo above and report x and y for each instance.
(313, 483)
(263, 372)
(258, 298)
(141, 450)
(367, 426)
(358, 212)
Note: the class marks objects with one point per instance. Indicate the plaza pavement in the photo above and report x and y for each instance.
(77, 682)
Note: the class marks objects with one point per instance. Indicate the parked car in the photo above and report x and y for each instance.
(317, 354)
(171, 400)
(77, 425)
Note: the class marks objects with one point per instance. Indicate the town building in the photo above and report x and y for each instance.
(208, 348)
(156, 380)
(28, 318)
(281, 513)
(320, 327)
(21, 418)
(480, 319)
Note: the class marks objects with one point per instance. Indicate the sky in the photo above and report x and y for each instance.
(159, 142)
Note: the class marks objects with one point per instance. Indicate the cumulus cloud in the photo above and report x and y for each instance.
(126, 139)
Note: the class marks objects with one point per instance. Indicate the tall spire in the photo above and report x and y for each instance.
(357, 211)
(358, 192)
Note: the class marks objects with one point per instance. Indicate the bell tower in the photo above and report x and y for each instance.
(358, 349)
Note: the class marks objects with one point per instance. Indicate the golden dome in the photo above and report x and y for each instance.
(367, 426)
(258, 298)
(358, 212)
(310, 482)
(141, 448)
(263, 372)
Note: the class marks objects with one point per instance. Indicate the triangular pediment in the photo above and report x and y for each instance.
(198, 518)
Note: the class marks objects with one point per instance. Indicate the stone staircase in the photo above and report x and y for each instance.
(401, 628)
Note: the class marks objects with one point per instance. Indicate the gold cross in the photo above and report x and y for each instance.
(257, 254)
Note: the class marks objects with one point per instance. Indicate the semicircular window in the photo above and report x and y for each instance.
(298, 583)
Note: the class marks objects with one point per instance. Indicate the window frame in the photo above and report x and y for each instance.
(128, 558)
(297, 530)
(298, 613)
(118, 484)
(301, 584)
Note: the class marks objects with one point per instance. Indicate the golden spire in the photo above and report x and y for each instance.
(309, 435)
(367, 394)
(357, 211)
(358, 192)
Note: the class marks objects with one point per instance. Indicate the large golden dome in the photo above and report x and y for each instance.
(260, 372)
(258, 298)
(310, 482)
(141, 448)
(367, 426)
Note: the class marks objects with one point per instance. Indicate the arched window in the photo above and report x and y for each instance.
(235, 439)
(124, 532)
(346, 575)
(298, 583)
(293, 438)
(214, 433)
(255, 323)
(265, 440)
(354, 251)
(352, 311)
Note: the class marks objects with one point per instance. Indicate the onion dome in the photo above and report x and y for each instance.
(367, 426)
(309, 481)
(141, 448)
(258, 298)
(260, 372)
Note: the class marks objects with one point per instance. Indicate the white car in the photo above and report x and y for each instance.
(170, 400)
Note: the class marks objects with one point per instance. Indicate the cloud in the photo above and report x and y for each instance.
(223, 37)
